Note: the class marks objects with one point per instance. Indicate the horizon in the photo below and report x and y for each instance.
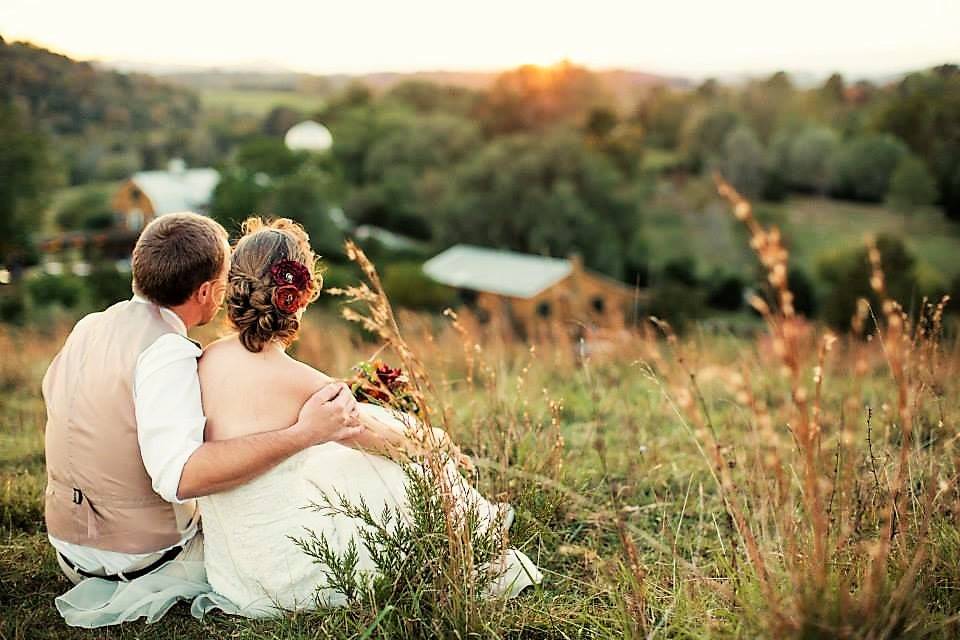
(431, 36)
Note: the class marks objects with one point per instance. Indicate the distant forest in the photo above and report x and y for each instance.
(544, 160)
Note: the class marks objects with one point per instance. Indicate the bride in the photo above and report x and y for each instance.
(249, 384)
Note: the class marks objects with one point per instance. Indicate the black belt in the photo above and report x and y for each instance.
(127, 576)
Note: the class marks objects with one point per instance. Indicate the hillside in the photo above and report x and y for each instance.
(250, 88)
(65, 96)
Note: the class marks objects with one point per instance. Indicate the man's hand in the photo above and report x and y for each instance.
(330, 415)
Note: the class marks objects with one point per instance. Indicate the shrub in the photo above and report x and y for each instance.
(847, 276)
(681, 270)
(421, 586)
(911, 185)
(13, 305)
(725, 292)
(407, 286)
(88, 209)
(676, 303)
(63, 290)
(804, 292)
(106, 285)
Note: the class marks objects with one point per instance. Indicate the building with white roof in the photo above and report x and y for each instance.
(530, 295)
(149, 194)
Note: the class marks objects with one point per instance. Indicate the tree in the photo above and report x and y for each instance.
(744, 161)
(911, 185)
(622, 142)
(269, 156)
(861, 169)
(533, 98)
(662, 114)
(400, 166)
(601, 121)
(279, 120)
(705, 132)
(356, 130)
(25, 178)
(305, 198)
(429, 97)
(808, 159)
(547, 195)
(768, 104)
(239, 194)
(924, 111)
(834, 89)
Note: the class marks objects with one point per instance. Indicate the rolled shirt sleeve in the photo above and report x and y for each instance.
(169, 411)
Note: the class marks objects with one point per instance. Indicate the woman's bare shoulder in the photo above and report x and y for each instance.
(217, 350)
(306, 378)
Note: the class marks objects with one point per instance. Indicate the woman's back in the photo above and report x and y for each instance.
(245, 392)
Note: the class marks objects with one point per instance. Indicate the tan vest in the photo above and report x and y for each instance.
(98, 492)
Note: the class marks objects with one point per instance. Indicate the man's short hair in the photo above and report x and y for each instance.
(176, 253)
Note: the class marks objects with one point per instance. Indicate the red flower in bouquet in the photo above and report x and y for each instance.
(389, 376)
(378, 383)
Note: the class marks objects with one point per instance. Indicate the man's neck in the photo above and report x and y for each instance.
(188, 314)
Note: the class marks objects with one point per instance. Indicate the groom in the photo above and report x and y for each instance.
(124, 438)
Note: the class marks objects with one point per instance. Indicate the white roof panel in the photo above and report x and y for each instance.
(506, 273)
(172, 191)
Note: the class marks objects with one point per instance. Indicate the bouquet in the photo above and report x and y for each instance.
(378, 383)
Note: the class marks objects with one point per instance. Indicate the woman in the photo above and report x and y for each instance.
(251, 385)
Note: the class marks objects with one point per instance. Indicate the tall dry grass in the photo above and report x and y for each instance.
(834, 501)
(837, 472)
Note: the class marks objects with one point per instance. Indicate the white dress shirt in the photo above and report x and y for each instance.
(170, 423)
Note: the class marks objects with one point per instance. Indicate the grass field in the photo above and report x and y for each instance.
(259, 102)
(791, 485)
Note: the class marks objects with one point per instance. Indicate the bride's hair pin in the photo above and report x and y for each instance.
(293, 285)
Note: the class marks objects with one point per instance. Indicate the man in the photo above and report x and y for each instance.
(124, 439)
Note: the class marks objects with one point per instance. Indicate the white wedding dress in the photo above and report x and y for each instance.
(249, 550)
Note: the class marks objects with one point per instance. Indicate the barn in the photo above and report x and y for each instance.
(148, 194)
(534, 296)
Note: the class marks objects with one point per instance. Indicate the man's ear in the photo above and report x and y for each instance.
(203, 292)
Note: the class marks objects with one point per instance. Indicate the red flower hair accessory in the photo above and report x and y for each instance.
(287, 298)
(293, 285)
(291, 272)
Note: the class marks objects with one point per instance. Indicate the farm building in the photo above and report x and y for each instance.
(148, 194)
(140, 199)
(533, 296)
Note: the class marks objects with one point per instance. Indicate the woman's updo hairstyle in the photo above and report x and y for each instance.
(251, 287)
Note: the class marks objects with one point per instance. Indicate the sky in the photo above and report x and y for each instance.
(681, 37)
